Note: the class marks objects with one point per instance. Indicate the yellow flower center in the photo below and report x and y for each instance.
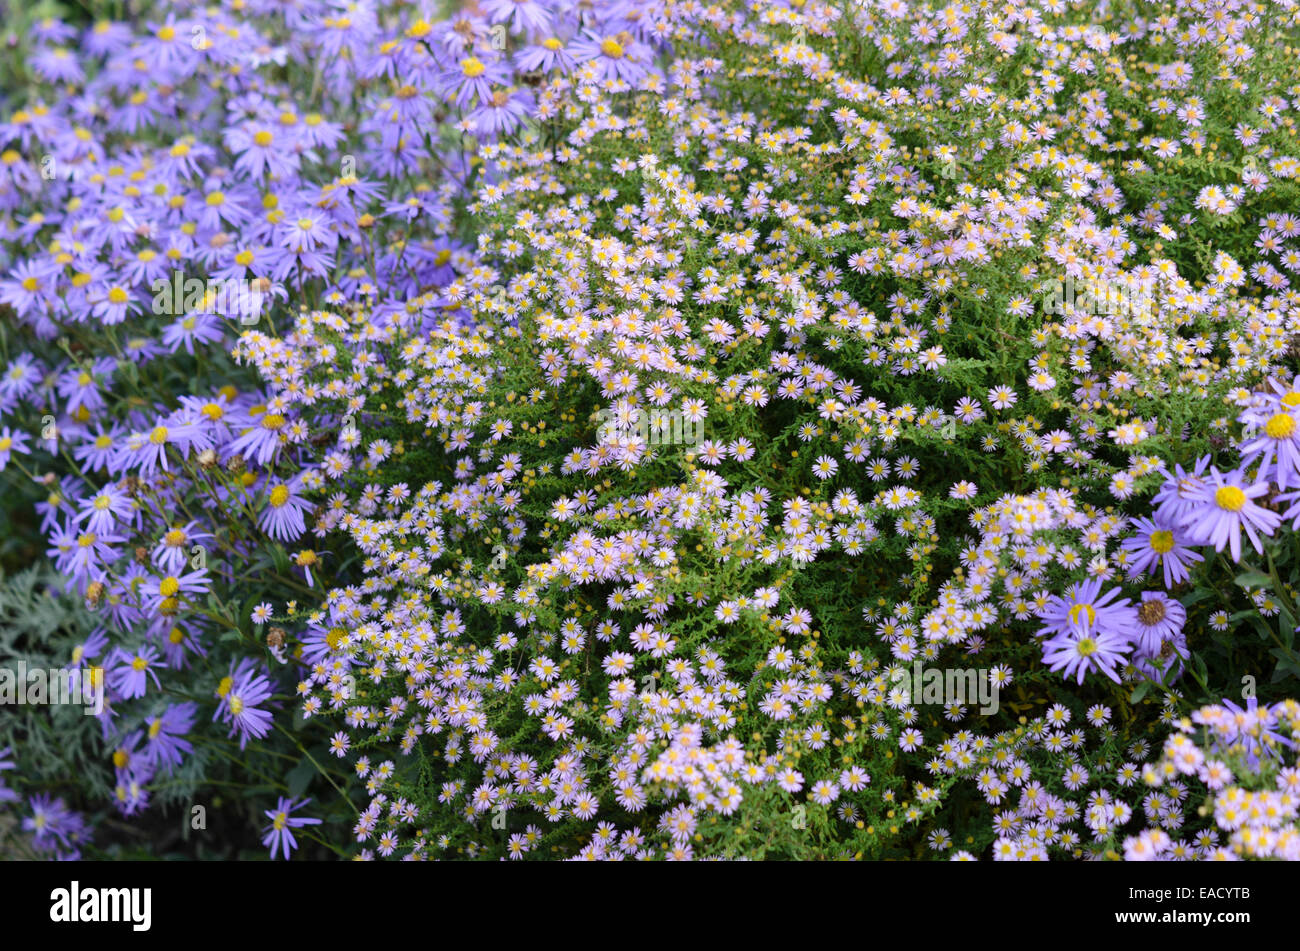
(121, 758)
(1083, 610)
(262, 138)
(279, 495)
(175, 538)
(86, 540)
(139, 664)
(166, 34)
(117, 296)
(168, 587)
(1230, 498)
(223, 688)
(551, 43)
(612, 48)
(471, 66)
(158, 436)
(1087, 647)
(272, 421)
(1162, 542)
(1280, 426)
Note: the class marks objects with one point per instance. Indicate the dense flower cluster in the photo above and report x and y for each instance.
(1253, 799)
(588, 421)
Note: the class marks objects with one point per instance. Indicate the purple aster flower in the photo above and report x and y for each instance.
(1085, 608)
(1275, 445)
(11, 442)
(263, 150)
(146, 452)
(163, 594)
(1159, 618)
(53, 825)
(87, 552)
(128, 674)
(619, 56)
(240, 694)
(523, 16)
(106, 38)
(32, 286)
(309, 230)
(1180, 493)
(282, 519)
(130, 794)
(21, 376)
(1086, 649)
(128, 764)
(503, 113)
(545, 56)
(318, 643)
(80, 386)
(190, 329)
(472, 79)
(57, 65)
(109, 506)
(166, 744)
(179, 641)
(1155, 544)
(113, 304)
(1225, 508)
(260, 441)
(88, 649)
(175, 547)
(278, 834)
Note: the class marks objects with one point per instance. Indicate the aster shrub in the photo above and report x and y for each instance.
(623, 430)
